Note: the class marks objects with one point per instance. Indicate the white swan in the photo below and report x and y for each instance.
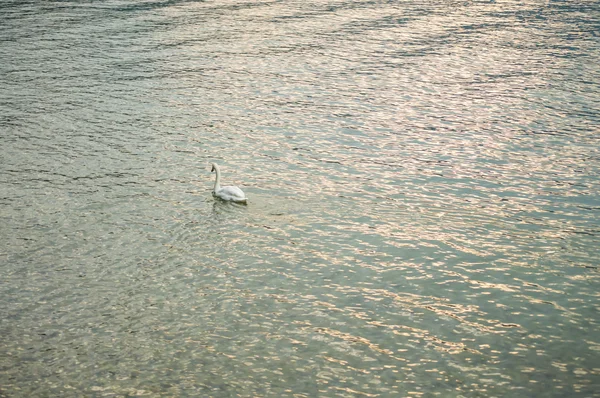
(233, 194)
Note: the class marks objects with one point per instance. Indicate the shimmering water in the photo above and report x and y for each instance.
(424, 213)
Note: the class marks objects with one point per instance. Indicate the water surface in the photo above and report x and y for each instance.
(424, 210)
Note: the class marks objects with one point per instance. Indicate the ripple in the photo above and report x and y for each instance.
(423, 211)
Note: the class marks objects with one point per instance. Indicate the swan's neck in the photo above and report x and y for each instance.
(217, 179)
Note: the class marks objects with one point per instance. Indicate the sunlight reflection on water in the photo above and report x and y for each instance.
(423, 213)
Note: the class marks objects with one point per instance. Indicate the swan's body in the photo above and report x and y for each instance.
(230, 193)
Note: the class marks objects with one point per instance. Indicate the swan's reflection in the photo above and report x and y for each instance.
(221, 207)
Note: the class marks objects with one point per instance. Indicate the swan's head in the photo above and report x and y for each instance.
(213, 167)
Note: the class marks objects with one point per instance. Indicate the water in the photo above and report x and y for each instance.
(424, 212)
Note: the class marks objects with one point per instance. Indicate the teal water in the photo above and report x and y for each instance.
(423, 183)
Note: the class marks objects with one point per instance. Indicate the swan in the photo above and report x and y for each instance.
(230, 193)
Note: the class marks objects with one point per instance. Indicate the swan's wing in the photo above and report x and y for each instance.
(232, 192)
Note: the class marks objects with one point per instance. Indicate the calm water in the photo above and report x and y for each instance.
(424, 214)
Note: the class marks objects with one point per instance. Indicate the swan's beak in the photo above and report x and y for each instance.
(212, 169)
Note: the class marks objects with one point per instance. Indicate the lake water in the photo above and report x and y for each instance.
(424, 198)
